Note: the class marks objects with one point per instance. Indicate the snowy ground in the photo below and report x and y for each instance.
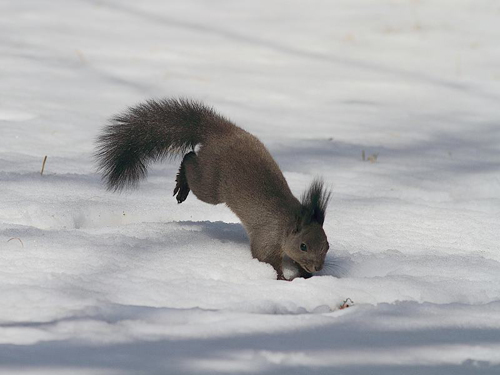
(98, 283)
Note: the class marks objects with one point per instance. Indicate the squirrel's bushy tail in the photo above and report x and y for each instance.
(149, 132)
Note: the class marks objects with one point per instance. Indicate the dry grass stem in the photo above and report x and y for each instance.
(372, 158)
(81, 56)
(43, 165)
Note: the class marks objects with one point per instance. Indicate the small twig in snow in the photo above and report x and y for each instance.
(346, 304)
(16, 238)
(373, 158)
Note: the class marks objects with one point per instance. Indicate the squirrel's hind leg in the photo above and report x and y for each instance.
(181, 186)
(201, 181)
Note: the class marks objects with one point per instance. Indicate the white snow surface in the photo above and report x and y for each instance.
(93, 282)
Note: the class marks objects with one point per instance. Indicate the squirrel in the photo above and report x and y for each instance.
(229, 166)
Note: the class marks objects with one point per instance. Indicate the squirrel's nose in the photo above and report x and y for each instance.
(318, 268)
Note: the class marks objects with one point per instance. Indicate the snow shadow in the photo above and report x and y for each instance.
(331, 348)
(448, 153)
(52, 178)
(219, 230)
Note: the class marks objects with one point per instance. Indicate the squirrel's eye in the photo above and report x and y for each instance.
(303, 247)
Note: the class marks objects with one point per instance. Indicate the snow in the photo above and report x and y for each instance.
(93, 282)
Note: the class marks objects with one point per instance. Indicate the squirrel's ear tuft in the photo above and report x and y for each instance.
(315, 200)
(302, 217)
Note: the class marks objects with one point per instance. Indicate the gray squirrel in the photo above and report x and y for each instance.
(230, 166)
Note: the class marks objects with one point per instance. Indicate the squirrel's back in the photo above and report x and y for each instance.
(245, 176)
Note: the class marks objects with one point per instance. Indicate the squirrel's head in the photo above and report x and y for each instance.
(307, 243)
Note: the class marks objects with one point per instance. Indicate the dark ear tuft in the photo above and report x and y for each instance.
(302, 217)
(315, 200)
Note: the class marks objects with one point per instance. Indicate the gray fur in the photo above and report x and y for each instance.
(231, 166)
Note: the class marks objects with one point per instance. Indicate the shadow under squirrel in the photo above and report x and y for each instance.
(231, 166)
